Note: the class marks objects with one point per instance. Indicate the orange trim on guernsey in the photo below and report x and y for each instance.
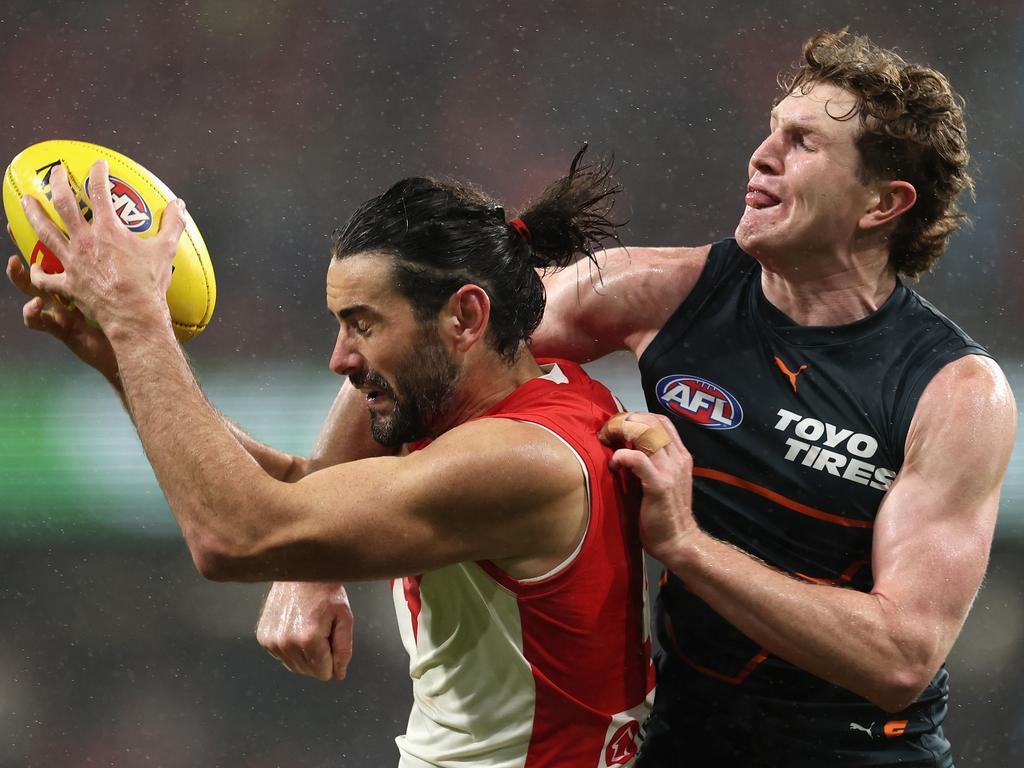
(736, 679)
(796, 506)
(845, 578)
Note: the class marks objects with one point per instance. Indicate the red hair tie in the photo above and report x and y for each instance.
(520, 226)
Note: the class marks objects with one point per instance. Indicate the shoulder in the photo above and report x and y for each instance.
(938, 323)
(969, 385)
(966, 416)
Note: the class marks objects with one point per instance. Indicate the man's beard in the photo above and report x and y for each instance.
(427, 379)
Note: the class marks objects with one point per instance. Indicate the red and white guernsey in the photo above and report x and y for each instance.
(542, 672)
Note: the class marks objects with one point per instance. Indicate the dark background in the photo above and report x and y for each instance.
(273, 120)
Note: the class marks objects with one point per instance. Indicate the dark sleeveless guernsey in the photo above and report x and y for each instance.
(796, 434)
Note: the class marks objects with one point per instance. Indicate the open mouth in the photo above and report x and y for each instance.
(760, 198)
(376, 397)
(372, 386)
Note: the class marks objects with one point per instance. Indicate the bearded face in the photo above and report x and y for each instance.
(424, 382)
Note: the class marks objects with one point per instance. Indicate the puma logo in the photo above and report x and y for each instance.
(854, 726)
(791, 375)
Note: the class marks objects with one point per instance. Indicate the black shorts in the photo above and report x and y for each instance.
(698, 722)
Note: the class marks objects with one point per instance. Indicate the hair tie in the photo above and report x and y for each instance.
(524, 231)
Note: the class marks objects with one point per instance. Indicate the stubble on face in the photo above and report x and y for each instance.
(425, 384)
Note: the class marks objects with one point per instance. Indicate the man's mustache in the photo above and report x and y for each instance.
(372, 379)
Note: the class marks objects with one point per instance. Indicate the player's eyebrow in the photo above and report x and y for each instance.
(804, 122)
(355, 310)
(812, 124)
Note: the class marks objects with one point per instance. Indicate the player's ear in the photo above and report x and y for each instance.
(465, 316)
(892, 199)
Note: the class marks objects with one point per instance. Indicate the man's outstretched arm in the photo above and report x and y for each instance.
(618, 303)
(930, 549)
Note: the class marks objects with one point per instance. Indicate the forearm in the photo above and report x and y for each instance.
(853, 639)
(216, 490)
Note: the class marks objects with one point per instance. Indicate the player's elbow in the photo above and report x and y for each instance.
(219, 559)
(900, 692)
(907, 675)
(212, 561)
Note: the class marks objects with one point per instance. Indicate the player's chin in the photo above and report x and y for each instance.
(751, 236)
(386, 431)
(760, 236)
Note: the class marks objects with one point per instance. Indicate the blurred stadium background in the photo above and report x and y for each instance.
(273, 119)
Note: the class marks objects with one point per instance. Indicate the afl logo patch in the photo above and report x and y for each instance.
(699, 400)
(130, 206)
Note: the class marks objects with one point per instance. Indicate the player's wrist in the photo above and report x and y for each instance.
(683, 553)
(145, 321)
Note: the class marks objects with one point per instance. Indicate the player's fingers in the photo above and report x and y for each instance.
(675, 448)
(341, 647)
(637, 462)
(64, 201)
(60, 317)
(32, 312)
(49, 233)
(268, 641)
(672, 457)
(99, 196)
(644, 436)
(300, 658)
(309, 656)
(272, 644)
(18, 276)
(172, 223)
(38, 318)
(287, 664)
(47, 283)
(49, 318)
(321, 665)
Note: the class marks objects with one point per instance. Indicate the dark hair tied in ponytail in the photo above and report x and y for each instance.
(572, 216)
(442, 235)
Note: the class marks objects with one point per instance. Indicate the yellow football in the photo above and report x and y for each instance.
(139, 198)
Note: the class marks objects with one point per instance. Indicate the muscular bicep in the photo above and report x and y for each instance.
(618, 303)
(488, 490)
(934, 529)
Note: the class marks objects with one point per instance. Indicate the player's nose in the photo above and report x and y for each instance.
(345, 359)
(766, 158)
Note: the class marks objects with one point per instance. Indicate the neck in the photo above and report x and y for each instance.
(484, 381)
(823, 290)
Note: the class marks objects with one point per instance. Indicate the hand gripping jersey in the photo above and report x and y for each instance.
(796, 434)
(543, 672)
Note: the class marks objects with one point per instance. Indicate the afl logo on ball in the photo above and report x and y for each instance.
(700, 401)
(130, 206)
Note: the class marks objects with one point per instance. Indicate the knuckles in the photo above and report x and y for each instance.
(307, 641)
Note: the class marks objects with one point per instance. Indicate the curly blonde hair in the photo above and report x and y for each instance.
(912, 129)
